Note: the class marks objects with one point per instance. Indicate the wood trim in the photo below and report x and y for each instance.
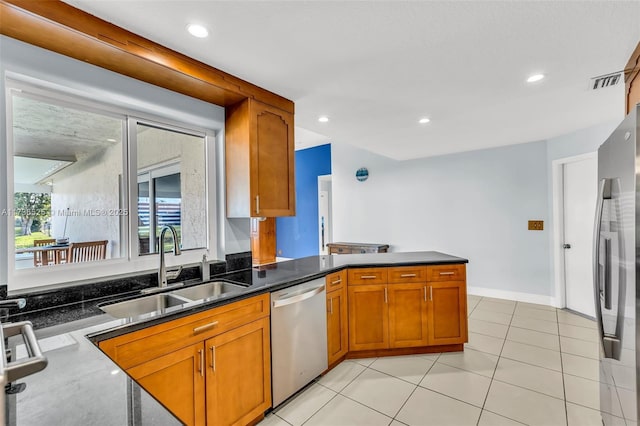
(632, 81)
(263, 241)
(404, 351)
(61, 28)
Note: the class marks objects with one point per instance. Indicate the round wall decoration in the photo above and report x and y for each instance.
(362, 174)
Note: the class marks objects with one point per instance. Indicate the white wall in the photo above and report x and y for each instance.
(90, 183)
(474, 205)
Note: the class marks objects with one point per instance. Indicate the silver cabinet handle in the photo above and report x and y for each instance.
(336, 282)
(368, 277)
(257, 204)
(447, 273)
(385, 296)
(284, 301)
(407, 275)
(425, 293)
(213, 358)
(201, 362)
(431, 293)
(205, 327)
(331, 306)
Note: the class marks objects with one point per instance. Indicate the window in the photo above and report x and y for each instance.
(171, 181)
(84, 172)
(68, 165)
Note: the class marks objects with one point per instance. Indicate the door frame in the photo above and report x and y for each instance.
(329, 223)
(557, 171)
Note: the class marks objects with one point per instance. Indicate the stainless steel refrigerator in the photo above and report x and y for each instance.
(617, 271)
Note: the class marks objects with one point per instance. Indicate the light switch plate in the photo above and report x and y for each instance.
(536, 225)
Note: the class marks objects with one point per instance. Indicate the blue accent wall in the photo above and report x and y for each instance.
(297, 236)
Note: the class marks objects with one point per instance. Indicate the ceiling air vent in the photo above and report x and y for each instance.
(606, 80)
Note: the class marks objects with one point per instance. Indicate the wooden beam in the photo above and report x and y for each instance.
(61, 28)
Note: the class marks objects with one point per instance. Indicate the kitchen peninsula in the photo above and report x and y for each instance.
(82, 385)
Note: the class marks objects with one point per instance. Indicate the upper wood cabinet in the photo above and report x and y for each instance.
(259, 160)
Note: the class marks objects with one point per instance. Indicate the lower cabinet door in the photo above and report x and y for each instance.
(177, 381)
(238, 372)
(337, 327)
(408, 318)
(447, 313)
(368, 317)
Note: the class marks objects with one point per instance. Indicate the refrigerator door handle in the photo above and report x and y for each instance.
(607, 273)
(611, 344)
(596, 259)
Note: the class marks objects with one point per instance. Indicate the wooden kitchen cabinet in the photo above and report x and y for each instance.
(337, 317)
(177, 381)
(407, 307)
(368, 317)
(408, 321)
(213, 367)
(447, 313)
(259, 158)
(238, 375)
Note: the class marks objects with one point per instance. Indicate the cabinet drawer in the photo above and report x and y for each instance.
(139, 346)
(446, 273)
(408, 274)
(367, 276)
(336, 281)
(339, 250)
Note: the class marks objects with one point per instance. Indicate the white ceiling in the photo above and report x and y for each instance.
(376, 67)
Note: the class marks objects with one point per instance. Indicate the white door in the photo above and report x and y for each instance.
(324, 213)
(580, 192)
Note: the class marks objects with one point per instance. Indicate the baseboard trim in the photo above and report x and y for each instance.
(539, 299)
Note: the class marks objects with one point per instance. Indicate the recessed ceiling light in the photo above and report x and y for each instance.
(424, 120)
(197, 30)
(111, 140)
(323, 119)
(535, 77)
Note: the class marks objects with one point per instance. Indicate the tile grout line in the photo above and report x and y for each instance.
(496, 367)
(335, 392)
(564, 387)
(500, 356)
(414, 390)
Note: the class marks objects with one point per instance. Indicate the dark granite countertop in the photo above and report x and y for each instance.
(83, 386)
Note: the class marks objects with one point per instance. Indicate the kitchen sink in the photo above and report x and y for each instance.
(162, 302)
(158, 303)
(208, 290)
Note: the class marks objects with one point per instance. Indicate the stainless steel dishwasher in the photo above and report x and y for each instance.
(298, 337)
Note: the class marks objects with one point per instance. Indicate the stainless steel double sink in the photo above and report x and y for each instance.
(173, 300)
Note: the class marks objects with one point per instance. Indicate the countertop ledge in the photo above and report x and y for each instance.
(81, 385)
(273, 277)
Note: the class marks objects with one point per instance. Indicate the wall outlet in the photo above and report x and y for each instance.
(536, 225)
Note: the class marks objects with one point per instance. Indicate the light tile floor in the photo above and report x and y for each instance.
(524, 364)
